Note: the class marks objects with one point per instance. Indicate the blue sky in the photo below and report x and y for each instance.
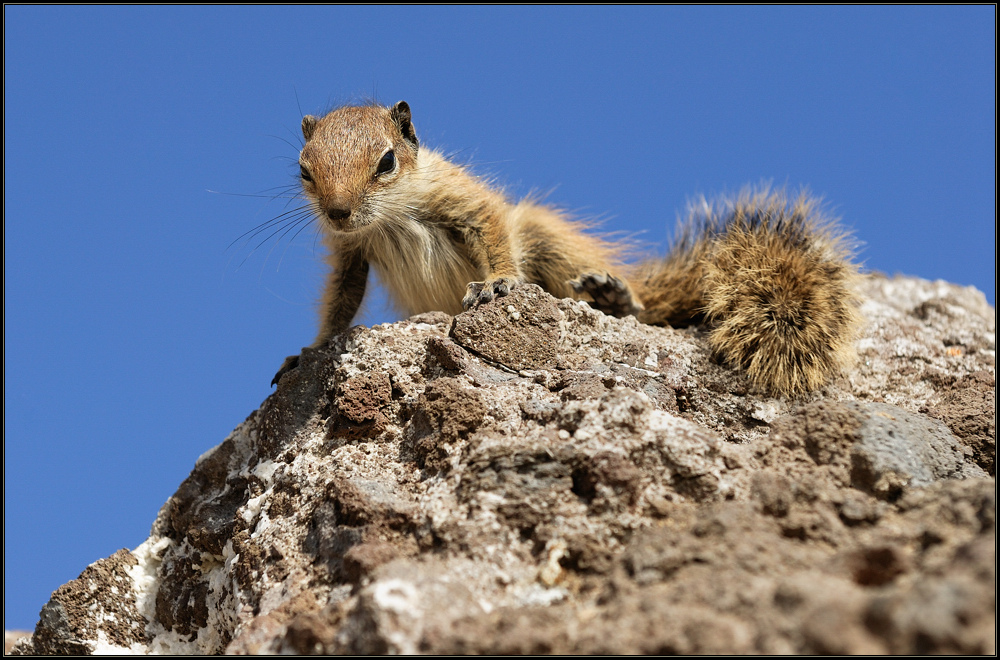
(139, 142)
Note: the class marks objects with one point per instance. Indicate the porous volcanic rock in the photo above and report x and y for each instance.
(536, 477)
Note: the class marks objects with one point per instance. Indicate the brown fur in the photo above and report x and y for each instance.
(772, 281)
(429, 227)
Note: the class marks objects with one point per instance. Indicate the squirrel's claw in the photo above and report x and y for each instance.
(290, 363)
(478, 293)
(610, 294)
(472, 295)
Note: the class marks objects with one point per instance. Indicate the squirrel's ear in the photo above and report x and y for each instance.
(400, 114)
(308, 126)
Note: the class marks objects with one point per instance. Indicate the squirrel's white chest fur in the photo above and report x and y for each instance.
(421, 266)
(415, 255)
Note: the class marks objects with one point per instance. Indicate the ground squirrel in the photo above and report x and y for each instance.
(770, 277)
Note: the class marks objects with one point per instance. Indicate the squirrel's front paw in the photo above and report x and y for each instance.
(290, 363)
(483, 292)
(610, 294)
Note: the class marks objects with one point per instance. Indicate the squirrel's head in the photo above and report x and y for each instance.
(351, 159)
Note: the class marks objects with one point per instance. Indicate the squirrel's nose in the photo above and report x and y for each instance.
(338, 212)
(337, 209)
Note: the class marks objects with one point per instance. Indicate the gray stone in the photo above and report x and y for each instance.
(536, 477)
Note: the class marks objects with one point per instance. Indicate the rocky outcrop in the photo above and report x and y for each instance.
(536, 477)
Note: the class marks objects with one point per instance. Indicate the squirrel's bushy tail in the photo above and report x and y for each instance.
(774, 280)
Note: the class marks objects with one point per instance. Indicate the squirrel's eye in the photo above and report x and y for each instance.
(387, 163)
(304, 173)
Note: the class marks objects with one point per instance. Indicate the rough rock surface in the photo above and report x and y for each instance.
(536, 477)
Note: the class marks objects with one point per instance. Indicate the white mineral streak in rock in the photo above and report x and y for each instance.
(145, 582)
(104, 647)
(144, 575)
